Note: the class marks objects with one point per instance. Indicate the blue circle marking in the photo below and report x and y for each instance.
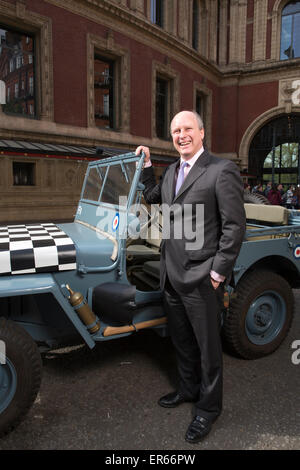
(115, 222)
(297, 252)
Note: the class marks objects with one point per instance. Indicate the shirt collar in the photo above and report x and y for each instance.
(192, 160)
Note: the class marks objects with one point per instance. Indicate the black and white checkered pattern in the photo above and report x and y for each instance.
(35, 248)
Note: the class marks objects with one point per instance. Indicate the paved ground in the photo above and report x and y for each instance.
(106, 399)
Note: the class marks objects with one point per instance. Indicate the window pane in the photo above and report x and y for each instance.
(103, 86)
(286, 38)
(93, 184)
(157, 12)
(296, 35)
(286, 156)
(291, 7)
(195, 32)
(118, 183)
(23, 174)
(161, 108)
(16, 67)
(199, 108)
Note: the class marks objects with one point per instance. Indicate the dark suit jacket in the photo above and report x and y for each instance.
(215, 185)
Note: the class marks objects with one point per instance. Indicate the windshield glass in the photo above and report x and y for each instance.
(93, 184)
(118, 183)
(109, 183)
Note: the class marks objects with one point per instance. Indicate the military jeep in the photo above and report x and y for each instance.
(97, 279)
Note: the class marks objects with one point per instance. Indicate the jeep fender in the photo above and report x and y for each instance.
(13, 286)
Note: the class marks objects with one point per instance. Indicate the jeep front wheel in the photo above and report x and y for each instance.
(260, 315)
(20, 374)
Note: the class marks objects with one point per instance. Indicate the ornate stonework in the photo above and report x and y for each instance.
(289, 93)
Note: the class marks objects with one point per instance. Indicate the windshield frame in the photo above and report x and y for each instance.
(107, 163)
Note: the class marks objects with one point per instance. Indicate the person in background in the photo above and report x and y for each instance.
(296, 198)
(287, 198)
(247, 188)
(258, 190)
(274, 196)
(280, 189)
(267, 188)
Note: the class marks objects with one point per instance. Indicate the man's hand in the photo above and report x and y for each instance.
(146, 151)
(215, 284)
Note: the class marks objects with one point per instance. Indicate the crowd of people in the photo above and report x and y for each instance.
(288, 197)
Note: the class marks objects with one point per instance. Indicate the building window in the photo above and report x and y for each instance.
(290, 31)
(285, 161)
(104, 92)
(200, 104)
(162, 107)
(109, 82)
(202, 98)
(157, 12)
(31, 86)
(195, 25)
(23, 174)
(17, 64)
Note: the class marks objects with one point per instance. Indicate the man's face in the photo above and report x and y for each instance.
(187, 137)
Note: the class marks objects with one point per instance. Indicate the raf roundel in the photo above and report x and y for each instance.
(115, 223)
(297, 251)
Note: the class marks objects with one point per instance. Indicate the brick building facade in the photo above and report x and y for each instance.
(111, 73)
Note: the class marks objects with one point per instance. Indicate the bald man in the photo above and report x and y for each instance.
(195, 265)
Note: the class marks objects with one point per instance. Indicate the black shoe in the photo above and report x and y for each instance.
(172, 400)
(198, 429)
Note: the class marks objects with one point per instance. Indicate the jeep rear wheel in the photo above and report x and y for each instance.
(20, 374)
(260, 315)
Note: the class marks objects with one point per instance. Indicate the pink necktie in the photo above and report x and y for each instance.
(180, 178)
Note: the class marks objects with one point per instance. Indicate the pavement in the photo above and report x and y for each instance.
(106, 399)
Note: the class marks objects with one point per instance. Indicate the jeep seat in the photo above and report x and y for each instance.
(148, 246)
(275, 215)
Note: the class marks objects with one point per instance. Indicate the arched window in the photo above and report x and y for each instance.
(285, 159)
(290, 31)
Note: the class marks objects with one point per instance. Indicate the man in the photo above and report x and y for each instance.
(192, 273)
(268, 188)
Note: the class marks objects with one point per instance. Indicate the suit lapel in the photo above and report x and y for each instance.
(170, 182)
(197, 170)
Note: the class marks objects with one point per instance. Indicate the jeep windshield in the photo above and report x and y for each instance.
(110, 184)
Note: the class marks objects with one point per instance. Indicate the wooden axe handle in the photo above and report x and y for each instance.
(116, 330)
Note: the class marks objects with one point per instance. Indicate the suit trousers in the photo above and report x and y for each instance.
(194, 322)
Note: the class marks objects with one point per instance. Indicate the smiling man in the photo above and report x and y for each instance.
(192, 279)
(188, 133)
